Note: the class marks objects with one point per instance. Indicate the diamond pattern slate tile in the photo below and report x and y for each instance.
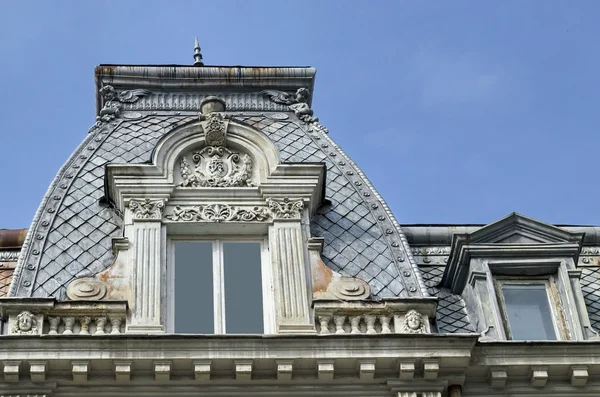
(79, 238)
(451, 313)
(590, 287)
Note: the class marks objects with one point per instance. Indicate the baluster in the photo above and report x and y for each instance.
(115, 323)
(370, 320)
(53, 321)
(339, 324)
(324, 320)
(100, 323)
(385, 324)
(85, 325)
(354, 324)
(69, 322)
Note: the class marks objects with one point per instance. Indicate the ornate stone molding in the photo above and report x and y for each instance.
(297, 103)
(86, 288)
(218, 213)
(147, 209)
(113, 103)
(413, 323)
(286, 208)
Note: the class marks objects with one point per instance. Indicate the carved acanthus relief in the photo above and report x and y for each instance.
(286, 208)
(218, 213)
(113, 103)
(147, 209)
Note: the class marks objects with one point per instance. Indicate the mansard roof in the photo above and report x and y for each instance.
(71, 234)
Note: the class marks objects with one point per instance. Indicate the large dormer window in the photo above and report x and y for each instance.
(215, 286)
(217, 231)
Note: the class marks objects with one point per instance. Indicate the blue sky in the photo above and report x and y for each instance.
(458, 111)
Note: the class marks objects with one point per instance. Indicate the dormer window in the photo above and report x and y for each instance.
(516, 275)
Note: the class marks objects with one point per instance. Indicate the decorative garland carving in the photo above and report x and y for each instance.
(26, 324)
(218, 213)
(147, 209)
(298, 103)
(217, 166)
(413, 323)
(86, 288)
(9, 256)
(285, 209)
(113, 103)
(347, 288)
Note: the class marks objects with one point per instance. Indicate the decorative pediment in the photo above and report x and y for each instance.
(512, 237)
(519, 229)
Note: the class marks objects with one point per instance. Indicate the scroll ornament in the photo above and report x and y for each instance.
(113, 103)
(86, 288)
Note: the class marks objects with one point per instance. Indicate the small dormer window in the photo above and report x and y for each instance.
(528, 311)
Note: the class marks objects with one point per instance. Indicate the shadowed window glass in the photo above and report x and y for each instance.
(194, 295)
(243, 292)
(528, 310)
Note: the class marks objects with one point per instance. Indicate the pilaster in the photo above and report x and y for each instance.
(147, 275)
(290, 268)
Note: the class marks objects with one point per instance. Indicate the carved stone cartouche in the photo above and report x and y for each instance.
(86, 288)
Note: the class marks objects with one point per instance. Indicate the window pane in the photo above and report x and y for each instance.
(528, 309)
(243, 288)
(193, 288)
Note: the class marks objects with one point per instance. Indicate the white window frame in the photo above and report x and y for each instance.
(552, 295)
(219, 309)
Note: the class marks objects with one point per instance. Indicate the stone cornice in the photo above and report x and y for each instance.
(209, 79)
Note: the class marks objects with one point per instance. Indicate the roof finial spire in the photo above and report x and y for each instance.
(197, 54)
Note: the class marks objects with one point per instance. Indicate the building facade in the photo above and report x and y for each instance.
(209, 238)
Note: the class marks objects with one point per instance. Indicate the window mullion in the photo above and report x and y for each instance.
(219, 287)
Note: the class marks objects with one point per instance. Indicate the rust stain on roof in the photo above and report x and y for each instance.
(12, 238)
